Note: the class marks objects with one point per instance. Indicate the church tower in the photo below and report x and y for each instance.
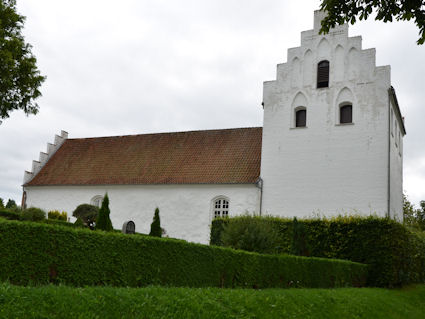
(333, 131)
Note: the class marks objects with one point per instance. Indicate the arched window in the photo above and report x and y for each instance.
(346, 114)
(221, 207)
(323, 74)
(97, 200)
(301, 117)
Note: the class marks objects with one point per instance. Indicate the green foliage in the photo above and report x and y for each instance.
(55, 214)
(20, 78)
(299, 239)
(11, 204)
(210, 303)
(5, 213)
(156, 229)
(251, 234)
(409, 217)
(420, 215)
(33, 214)
(103, 221)
(38, 253)
(60, 223)
(79, 223)
(87, 213)
(1, 203)
(395, 254)
(340, 11)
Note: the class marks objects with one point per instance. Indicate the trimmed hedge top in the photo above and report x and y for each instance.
(395, 254)
(40, 253)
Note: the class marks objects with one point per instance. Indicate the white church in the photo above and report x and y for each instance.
(331, 143)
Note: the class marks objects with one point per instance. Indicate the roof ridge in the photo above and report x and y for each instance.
(165, 133)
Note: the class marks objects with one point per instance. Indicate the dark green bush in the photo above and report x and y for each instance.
(395, 254)
(79, 223)
(38, 253)
(156, 229)
(8, 214)
(11, 204)
(87, 213)
(33, 214)
(103, 220)
(251, 234)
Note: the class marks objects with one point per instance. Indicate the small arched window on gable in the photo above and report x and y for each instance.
(97, 201)
(346, 113)
(300, 117)
(221, 207)
(323, 74)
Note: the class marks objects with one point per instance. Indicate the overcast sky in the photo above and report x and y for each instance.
(139, 66)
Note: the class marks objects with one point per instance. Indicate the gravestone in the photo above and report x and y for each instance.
(129, 227)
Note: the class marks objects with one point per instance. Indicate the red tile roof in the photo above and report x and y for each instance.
(230, 156)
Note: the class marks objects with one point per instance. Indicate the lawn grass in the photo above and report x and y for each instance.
(158, 302)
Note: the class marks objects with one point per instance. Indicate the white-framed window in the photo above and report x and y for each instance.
(97, 201)
(221, 207)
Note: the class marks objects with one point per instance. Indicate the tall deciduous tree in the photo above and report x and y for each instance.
(104, 221)
(341, 11)
(20, 79)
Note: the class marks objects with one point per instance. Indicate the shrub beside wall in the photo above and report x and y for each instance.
(40, 253)
(396, 255)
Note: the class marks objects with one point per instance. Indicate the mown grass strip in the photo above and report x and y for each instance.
(159, 302)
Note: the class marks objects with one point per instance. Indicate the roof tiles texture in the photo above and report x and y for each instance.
(230, 156)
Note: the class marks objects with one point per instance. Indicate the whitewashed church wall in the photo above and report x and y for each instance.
(185, 210)
(326, 168)
(396, 168)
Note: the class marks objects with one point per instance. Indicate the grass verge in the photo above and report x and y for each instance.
(158, 302)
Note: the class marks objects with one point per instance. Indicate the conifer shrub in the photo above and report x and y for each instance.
(33, 214)
(103, 220)
(395, 254)
(156, 229)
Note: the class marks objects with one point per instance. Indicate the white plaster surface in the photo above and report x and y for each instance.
(185, 210)
(327, 168)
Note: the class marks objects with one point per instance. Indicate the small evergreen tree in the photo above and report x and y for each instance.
(11, 204)
(1, 203)
(103, 221)
(156, 229)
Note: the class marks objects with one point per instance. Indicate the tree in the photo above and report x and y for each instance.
(11, 204)
(420, 215)
(1, 203)
(409, 213)
(156, 229)
(19, 77)
(339, 12)
(87, 213)
(103, 221)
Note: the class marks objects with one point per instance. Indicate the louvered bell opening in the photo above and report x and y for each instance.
(346, 114)
(301, 118)
(323, 74)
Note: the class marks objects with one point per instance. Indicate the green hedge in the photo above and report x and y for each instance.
(39, 253)
(5, 213)
(395, 254)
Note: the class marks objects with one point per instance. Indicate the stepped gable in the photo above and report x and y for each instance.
(229, 156)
